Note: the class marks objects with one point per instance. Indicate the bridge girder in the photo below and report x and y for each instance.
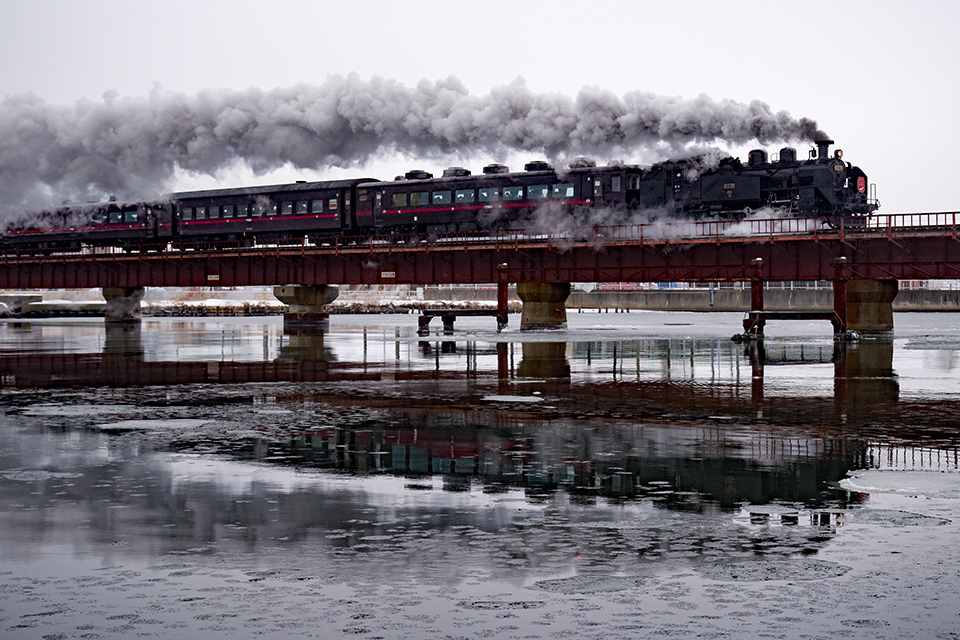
(927, 257)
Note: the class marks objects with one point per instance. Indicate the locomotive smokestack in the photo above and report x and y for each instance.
(823, 149)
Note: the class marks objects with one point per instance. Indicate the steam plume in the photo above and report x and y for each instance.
(132, 146)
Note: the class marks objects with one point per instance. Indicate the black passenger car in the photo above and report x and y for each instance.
(497, 198)
(270, 212)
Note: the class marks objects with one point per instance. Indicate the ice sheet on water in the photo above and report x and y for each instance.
(931, 484)
(37, 475)
(77, 409)
(761, 571)
(892, 518)
(589, 584)
(500, 605)
(151, 425)
(507, 398)
(935, 343)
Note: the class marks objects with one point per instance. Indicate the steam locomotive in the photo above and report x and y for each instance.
(822, 186)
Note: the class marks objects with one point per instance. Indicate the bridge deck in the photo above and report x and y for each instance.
(898, 246)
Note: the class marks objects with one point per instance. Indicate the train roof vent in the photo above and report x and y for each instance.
(537, 165)
(417, 174)
(455, 172)
(495, 168)
(582, 163)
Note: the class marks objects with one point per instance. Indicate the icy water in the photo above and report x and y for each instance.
(638, 475)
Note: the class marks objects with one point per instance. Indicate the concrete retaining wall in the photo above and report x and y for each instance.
(699, 300)
(733, 300)
(927, 300)
(723, 299)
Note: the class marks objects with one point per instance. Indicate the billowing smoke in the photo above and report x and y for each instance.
(132, 146)
(567, 227)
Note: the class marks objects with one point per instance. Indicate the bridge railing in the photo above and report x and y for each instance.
(655, 231)
(913, 221)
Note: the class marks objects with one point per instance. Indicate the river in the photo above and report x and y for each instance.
(636, 475)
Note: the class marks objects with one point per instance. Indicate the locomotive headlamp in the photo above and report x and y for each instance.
(838, 154)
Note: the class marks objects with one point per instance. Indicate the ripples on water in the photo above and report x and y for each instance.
(636, 474)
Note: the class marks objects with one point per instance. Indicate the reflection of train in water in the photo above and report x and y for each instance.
(823, 186)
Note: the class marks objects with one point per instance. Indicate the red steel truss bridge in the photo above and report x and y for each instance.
(885, 247)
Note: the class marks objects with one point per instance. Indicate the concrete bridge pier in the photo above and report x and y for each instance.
(865, 306)
(544, 305)
(123, 303)
(864, 376)
(307, 305)
(305, 347)
(544, 360)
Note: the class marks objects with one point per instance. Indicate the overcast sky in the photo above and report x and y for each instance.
(879, 77)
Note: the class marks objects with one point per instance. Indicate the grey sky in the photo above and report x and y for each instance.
(877, 76)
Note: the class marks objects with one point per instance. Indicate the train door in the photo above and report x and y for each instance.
(346, 208)
(335, 206)
(360, 215)
(632, 193)
(378, 208)
(151, 220)
(584, 188)
(593, 190)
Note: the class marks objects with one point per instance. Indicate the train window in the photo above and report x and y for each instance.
(116, 217)
(317, 206)
(399, 199)
(227, 211)
(286, 208)
(301, 207)
(513, 193)
(563, 190)
(332, 204)
(213, 213)
(420, 199)
(243, 210)
(633, 182)
(538, 192)
(272, 208)
(441, 197)
(201, 213)
(99, 217)
(131, 217)
(489, 194)
(464, 195)
(597, 188)
(187, 213)
(615, 184)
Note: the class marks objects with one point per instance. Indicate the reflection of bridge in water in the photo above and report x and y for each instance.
(695, 372)
(681, 422)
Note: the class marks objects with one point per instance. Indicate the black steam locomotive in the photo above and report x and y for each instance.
(822, 186)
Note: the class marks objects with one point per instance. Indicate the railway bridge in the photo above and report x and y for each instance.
(864, 261)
